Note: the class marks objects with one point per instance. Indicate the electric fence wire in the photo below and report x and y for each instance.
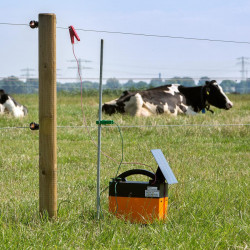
(159, 36)
(141, 34)
(142, 126)
(15, 24)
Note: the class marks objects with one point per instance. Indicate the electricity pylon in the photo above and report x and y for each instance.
(80, 67)
(243, 62)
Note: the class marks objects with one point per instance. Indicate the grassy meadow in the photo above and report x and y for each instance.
(208, 208)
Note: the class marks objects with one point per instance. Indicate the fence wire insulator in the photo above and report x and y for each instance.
(34, 126)
(33, 24)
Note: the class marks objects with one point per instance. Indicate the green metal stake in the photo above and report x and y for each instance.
(99, 135)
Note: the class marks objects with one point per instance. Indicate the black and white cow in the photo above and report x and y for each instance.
(172, 99)
(10, 105)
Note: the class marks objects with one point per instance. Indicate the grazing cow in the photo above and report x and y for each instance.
(9, 104)
(172, 99)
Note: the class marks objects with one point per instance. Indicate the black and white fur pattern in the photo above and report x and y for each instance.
(171, 99)
(10, 105)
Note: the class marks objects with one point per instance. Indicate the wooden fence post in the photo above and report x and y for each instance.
(47, 115)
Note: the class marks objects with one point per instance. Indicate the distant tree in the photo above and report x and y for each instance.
(156, 82)
(248, 85)
(32, 85)
(203, 80)
(90, 85)
(69, 87)
(243, 87)
(141, 85)
(228, 86)
(130, 84)
(13, 85)
(187, 81)
(174, 80)
(112, 83)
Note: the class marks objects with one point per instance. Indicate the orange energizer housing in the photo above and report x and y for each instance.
(142, 202)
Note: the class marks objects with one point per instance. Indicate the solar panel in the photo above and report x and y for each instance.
(164, 166)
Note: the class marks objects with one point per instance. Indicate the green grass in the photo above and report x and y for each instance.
(208, 208)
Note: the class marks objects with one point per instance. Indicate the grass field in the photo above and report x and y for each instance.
(208, 208)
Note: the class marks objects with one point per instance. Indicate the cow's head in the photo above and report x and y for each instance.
(216, 96)
(111, 108)
(117, 105)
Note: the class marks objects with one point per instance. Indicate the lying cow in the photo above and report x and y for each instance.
(9, 104)
(172, 99)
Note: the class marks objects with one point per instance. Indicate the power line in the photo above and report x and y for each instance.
(147, 35)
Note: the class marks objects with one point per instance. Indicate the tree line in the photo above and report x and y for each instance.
(13, 85)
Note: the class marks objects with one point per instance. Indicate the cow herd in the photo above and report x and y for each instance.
(168, 99)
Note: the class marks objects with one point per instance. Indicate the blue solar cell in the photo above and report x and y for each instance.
(164, 166)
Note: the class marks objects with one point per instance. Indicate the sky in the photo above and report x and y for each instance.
(130, 56)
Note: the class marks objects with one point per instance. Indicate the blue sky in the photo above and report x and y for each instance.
(127, 56)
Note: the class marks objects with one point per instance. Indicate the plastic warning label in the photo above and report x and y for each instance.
(152, 192)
